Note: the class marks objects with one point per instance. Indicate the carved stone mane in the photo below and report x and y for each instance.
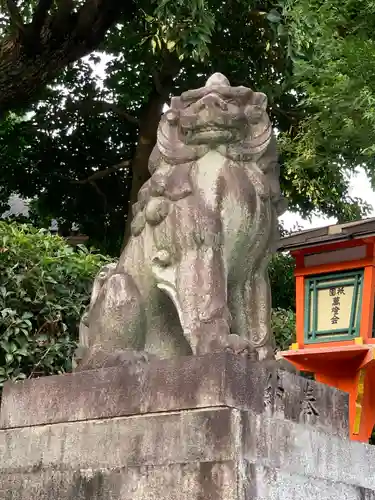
(193, 277)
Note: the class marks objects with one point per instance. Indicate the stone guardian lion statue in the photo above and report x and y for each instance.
(193, 276)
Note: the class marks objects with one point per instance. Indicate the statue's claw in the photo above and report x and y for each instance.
(98, 358)
(241, 346)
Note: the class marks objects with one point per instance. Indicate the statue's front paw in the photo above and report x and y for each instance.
(241, 346)
(96, 358)
(217, 338)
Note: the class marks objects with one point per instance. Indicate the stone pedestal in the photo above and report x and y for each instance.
(206, 428)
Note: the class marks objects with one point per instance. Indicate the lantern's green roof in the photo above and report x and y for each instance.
(328, 234)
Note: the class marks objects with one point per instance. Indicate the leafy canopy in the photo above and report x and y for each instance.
(79, 150)
(334, 68)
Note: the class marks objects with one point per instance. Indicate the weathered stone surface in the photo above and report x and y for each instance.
(179, 455)
(273, 484)
(174, 482)
(207, 454)
(192, 481)
(306, 452)
(156, 439)
(215, 427)
(207, 481)
(193, 276)
(183, 383)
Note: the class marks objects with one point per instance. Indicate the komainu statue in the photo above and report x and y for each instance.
(193, 276)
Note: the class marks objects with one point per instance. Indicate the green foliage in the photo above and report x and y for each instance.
(44, 287)
(183, 27)
(283, 323)
(334, 70)
(312, 59)
(283, 320)
(282, 281)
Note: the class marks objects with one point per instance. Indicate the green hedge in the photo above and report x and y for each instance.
(44, 287)
(284, 328)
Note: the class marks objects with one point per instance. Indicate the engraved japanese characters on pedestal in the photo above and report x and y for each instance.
(193, 276)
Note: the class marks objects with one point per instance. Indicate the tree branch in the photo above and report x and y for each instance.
(15, 15)
(40, 15)
(168, 70)
(103, 173)
(100, 193)
(64, 8)
(157, 82)
(23, 75)
(102, 106)
(90, 25)
(289, 113)
(115, 108)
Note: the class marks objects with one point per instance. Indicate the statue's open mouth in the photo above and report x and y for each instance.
(209, 133)
(199, 128)
(202, 121)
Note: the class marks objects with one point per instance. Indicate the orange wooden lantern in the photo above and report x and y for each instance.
(335, 337)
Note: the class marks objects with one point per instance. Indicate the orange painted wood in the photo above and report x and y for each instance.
(368, 295)
(324, 357)
(345, 365)
(300, 311)
(299, 257)
(370, 247)
(350, 369)
(335, 267)
(336, 245)
(336, 343)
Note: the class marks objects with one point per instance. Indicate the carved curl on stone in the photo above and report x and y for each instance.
(193, 277)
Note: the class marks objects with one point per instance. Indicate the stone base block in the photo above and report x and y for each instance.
(216, 452)
(205, 454)
(176, 384)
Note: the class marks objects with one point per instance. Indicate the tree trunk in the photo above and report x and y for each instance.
(148, 127)
(146, 141)
(36, 52)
